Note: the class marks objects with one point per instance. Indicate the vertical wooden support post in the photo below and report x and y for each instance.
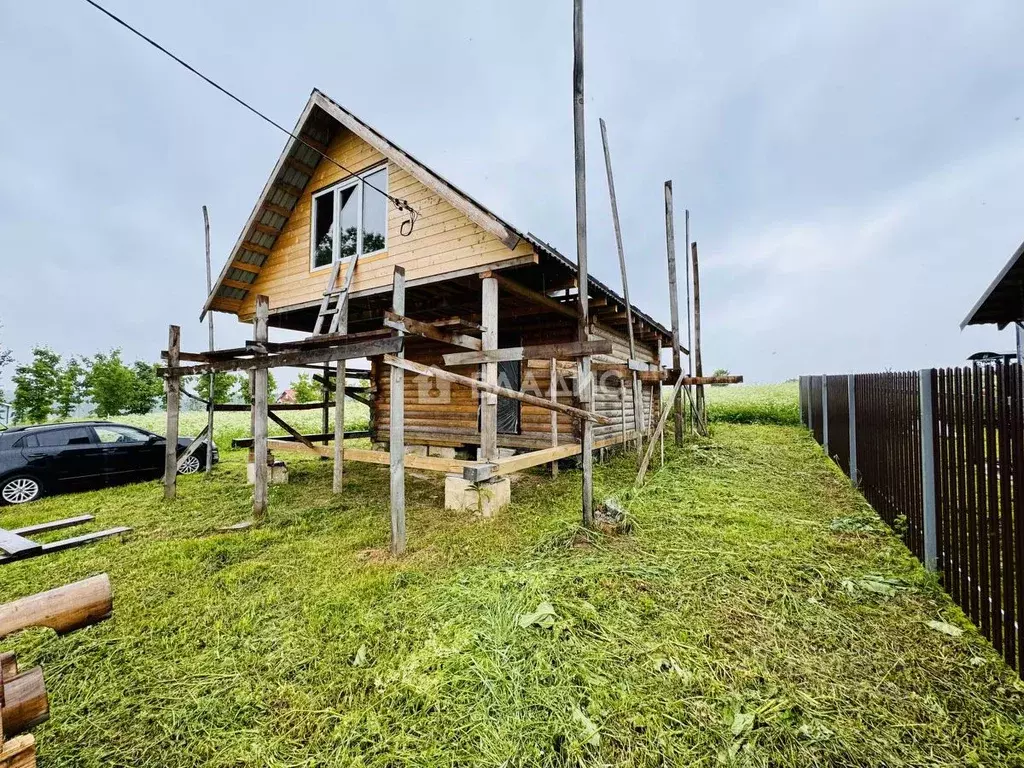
(489, 371)
(259, 416)
(673, 300)
(698, 365)
(637, 393)
(824, 413)
(553, 395)
(851, 401)
(339, 409)
(926, 379)
(209, 322)
(579, 142)
(173, 387)
(396, 446)
(325, 409)
(661, 404)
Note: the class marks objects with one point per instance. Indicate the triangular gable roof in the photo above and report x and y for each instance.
(292, 172)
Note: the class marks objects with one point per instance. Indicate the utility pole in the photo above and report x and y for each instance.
(209, 320)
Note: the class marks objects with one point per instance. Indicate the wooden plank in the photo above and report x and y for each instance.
(296, 446)
(657, 434)
(294, 433)
(428, 331)
(53, 525)
(689, 381)
(465, 381)
(74, 541)
(259, 416)
(236, 284)
(673, 298)
(428, 463)
(173, 387)
(246, 442)
(193, 446)
(396, 443)
(15, 545)
(340, 390)
(210, 346)
(625, 282)
(246, 267)
(489, 369)
(538, 352)
(698, 366)
(328, 354)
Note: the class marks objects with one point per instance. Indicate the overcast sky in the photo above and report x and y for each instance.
(854, 170)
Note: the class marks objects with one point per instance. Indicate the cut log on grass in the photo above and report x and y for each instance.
(25, 702)
(19, 752)
(63, 609)
(8, 666)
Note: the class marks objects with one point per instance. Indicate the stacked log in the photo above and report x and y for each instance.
(24, 703)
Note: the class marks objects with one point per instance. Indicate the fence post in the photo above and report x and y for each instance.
(852, 408)
(810, 411)
(927, 400)
(824, 413)
(803, 401)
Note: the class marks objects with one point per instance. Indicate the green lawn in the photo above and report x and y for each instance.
(756, 615)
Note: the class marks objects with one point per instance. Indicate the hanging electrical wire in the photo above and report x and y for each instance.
(400, 204)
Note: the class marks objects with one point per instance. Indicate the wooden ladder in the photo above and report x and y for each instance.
(335, 299)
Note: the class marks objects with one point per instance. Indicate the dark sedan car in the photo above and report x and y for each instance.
(54, 458)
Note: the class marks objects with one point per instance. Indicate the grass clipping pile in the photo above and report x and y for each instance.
(756, 615)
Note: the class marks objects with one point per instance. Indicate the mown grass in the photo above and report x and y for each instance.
(730, 627)
(755, 403)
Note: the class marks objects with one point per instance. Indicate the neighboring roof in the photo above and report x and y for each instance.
(1003, 301)
(293, 171)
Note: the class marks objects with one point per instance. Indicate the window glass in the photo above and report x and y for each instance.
(120, 435)
(375, 212)
(28, 441)
(362, 219)
(323, 229)
(349, 222)
(60, 437)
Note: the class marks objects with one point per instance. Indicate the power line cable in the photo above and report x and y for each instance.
(401, 205)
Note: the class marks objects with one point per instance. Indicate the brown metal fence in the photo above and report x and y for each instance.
(950, 480)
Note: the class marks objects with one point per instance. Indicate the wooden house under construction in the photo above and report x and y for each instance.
(356, 243)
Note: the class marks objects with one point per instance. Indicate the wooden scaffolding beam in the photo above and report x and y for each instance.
(396, 444)
(637, 387)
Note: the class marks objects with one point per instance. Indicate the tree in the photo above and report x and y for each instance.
(223, 383)
(36, 385)
(720, 372)
(306, 390)
(146, 390)
(242, 387)
(6, 356)
(110, 383)
(70, 388)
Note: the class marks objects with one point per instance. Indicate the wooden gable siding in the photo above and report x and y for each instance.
(443, 240)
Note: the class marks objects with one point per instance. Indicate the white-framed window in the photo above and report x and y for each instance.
(350, 217)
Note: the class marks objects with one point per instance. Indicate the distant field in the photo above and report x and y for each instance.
(228, 426)
(755, 403)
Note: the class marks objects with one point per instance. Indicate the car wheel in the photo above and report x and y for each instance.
(190, 466)
(20, 490)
